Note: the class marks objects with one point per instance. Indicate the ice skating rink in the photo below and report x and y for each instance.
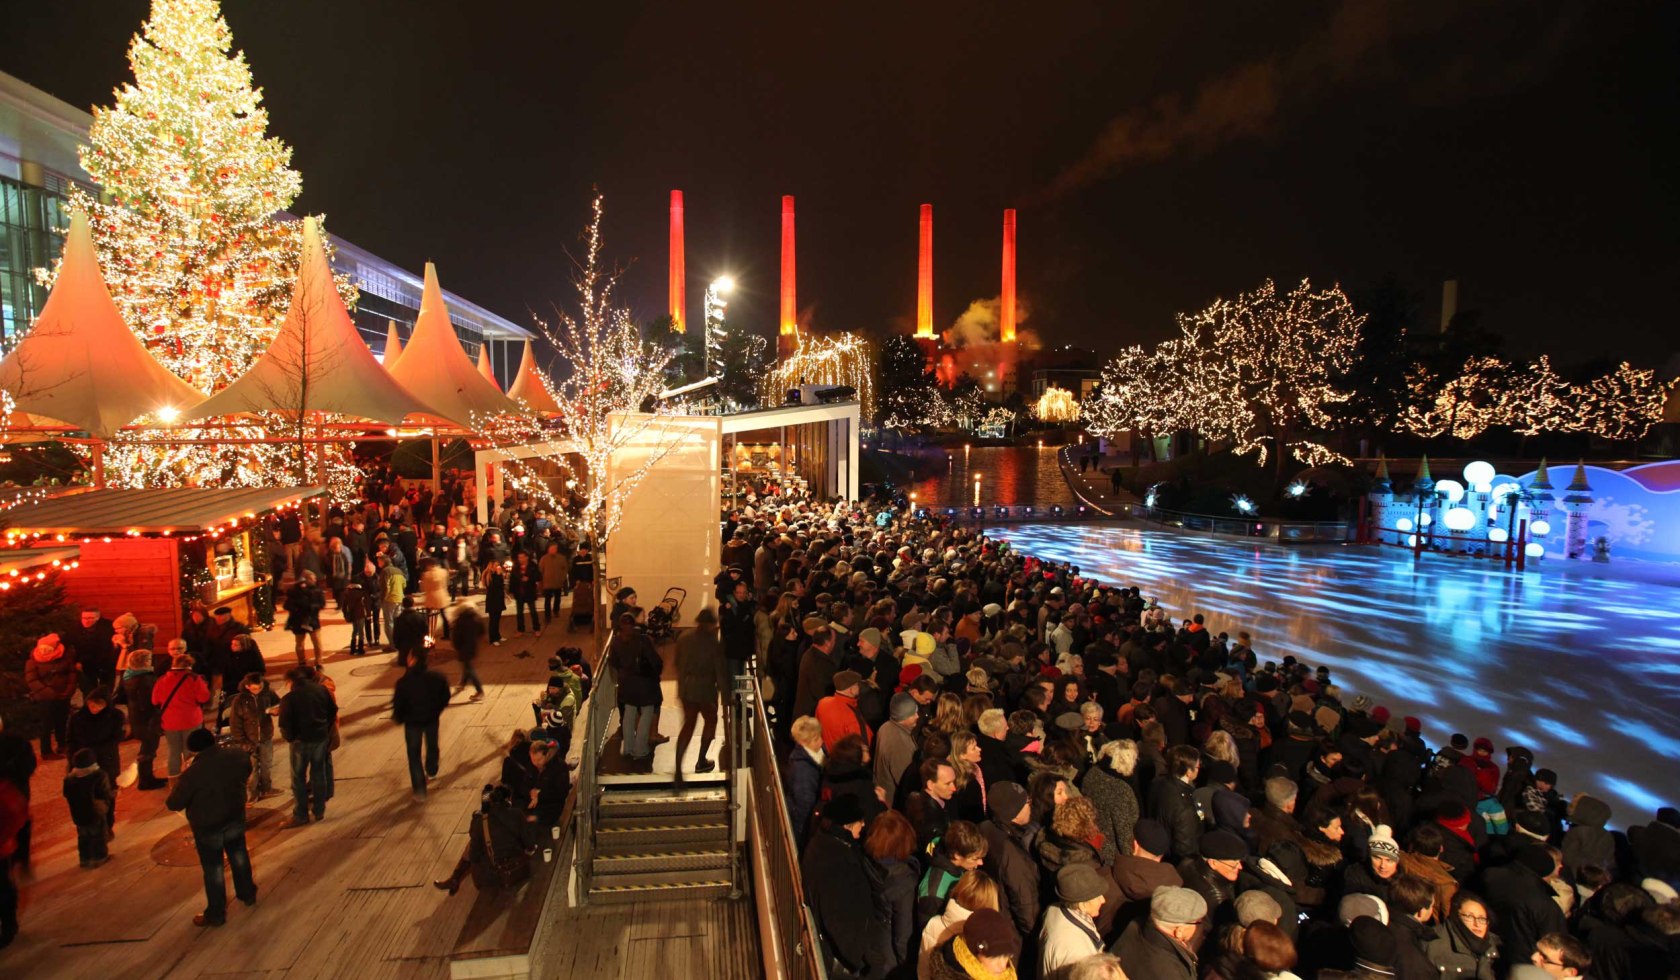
(1579, 662)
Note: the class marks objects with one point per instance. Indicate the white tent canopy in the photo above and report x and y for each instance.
(317, 362)
(437, 369)
(484, 367)
(80, 364)
(530, 387)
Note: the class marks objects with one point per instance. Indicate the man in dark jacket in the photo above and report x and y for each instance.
(1159, 947)
(1141, 872)
(1172, 799)
(1009, 856)
(702, 677)
(307, 715)
(816, 672)
(1521, 902)
(739, 633)
(212, 792)
(837, 875)
(92, 652)
(417, 703)
(408, 631)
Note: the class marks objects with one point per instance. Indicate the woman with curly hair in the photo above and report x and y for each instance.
(1105, 785)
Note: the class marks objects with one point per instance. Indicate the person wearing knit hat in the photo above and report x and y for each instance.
(1376, 874)
(872, 637)
(1153, 837)
(1373, 946)
(988, 941)
(1006, 802)
(212, 792)
(1070, 930)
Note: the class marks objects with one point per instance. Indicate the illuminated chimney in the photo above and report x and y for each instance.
(1006, 316)
(679, 270)
(924, 276)
(790, 302)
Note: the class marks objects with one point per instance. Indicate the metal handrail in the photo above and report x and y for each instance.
(602, 700)
(787, 926)
(1248, 527)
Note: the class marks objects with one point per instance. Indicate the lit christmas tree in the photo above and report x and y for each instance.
(190, 242)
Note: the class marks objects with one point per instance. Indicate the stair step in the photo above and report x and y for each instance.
(678, 876)
(684, 892)
(663, 860)
(614, 821)
(643, 839)
(642, 804)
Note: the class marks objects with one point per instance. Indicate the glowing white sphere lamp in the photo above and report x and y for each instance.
(1479, 474)
(1450, 490)
(1426, 520)
(1498, 535)
(1411, 541)
(1540, 529)
(1459, 519)
(1535, 549)
(1403, 524)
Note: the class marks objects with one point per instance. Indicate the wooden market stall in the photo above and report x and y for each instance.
(151, 552)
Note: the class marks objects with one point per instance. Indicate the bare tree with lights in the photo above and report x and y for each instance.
(608, 405)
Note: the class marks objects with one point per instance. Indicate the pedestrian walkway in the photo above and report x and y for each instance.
(1095, 486)
(350, 896)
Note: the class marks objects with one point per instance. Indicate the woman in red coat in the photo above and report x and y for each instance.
(180, 696)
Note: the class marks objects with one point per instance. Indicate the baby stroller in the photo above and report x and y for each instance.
(583, 606)
(662, 619)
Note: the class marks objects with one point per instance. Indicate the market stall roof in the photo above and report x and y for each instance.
(80, 364)
(484, 367)
(393, 343)
(17, 563)
(530, 387)
(437, 369)
(318, 361)
(156, 511)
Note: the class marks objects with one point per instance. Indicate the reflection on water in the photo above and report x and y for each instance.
(1009, 475)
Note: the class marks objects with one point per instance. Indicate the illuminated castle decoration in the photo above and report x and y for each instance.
(1577, 499)
(1381, 502)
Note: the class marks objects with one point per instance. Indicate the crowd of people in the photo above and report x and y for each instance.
(1036, 774)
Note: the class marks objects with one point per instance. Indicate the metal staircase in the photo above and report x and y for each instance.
(655, 844)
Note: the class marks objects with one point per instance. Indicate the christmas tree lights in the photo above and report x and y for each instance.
(843, 359)
(1057, 404)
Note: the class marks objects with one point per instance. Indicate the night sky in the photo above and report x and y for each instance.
(1160, 155)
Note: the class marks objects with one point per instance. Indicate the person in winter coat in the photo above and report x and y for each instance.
(500, 834)
(353, 603)
(1073, 838)
(145, 722)
(307, 719)
(1308, 863)
(984, 947)
(1587, 842)
(434, 592)
(1463, 945)
(1521, 902)
(974, 891)
(637, 667)
(304, 603)
(1139, 873)
(495, 600)
(802, 776)
(524, 581)
(98, 727)
(838, 712)
(1009, 855)
(469, 634)
(1070, 932)
(180, 696)
(90, 797)
(51, 678)
(417, 703)
(552, 567)
(1105, 785)
(817, 668)
(1172, 799)
(895, 744)
(212, 792)
(1158, 947)
(837, 877)
(702, 678)
(251, 725)
(890, 843)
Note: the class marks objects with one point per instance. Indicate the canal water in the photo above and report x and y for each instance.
(1012, 476)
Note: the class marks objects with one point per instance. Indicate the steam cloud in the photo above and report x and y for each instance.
(979, 324)
(1359, 40)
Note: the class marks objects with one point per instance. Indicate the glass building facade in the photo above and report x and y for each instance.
(38, 169)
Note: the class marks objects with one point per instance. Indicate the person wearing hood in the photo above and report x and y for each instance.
(51, 678)
(1587, 842)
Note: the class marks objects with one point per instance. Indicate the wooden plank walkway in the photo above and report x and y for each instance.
(350, 896)
(640, 940)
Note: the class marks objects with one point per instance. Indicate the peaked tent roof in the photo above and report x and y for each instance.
(530, 387)
(80, 364)
(319, 342)
(393, 344)
(484, 365)
(436, 368)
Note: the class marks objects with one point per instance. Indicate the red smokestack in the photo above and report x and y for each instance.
(790, 302)
(679, 271)
(1006, 316)
(924, 276)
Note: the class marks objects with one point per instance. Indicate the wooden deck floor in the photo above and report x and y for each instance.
(653, 939)
(348, 897)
